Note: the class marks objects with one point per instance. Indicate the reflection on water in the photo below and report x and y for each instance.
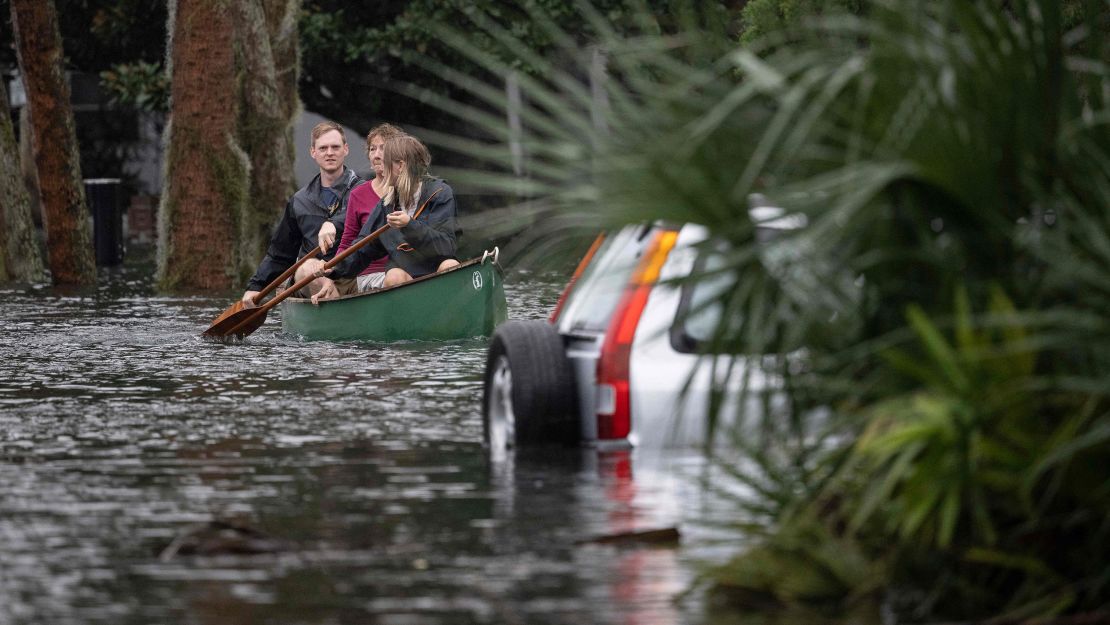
(121, 428)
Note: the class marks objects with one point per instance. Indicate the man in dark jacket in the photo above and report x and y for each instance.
(312, 216)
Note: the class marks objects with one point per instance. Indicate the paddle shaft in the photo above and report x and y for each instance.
(373, 236)
(239, 305)
(285, 274)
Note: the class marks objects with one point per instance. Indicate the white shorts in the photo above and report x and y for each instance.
(371, 281)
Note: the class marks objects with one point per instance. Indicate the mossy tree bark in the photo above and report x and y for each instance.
(27, 165)
(269, 56)
(229, 158)
(206, 170)
(54, 140)
(19, 252)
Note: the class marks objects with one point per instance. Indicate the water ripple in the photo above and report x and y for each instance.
(121, 428)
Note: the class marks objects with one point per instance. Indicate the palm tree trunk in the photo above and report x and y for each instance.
(27, 165)
(268, 36)
(19, 252)
(229, 164)
(65, 216)
(207, 172)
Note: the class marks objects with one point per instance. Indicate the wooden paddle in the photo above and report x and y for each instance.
(248, 320)
(238, 305)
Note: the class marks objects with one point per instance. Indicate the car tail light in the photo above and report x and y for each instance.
(614, 409)
(574, 278)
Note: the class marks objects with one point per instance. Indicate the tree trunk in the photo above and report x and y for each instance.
(19, 252)
(268, 44)
(229, 165)
(206, 169)
(65, 216)
(27, 164)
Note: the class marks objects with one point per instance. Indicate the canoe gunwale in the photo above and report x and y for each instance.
(477, 260)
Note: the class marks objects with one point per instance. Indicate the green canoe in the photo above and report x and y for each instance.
(462, 302)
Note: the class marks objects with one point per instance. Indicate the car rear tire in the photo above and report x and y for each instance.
(529, 397)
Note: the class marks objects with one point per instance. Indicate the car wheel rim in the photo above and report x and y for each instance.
(502, 422)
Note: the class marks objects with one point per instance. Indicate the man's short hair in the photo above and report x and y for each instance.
(327, 126)
(385, 131)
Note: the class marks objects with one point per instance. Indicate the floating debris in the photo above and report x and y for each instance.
(218, 537)
(668, 537)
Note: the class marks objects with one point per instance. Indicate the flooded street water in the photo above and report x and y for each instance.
(121, 430)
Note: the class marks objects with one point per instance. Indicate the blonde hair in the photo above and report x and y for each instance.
(327, 126)
(409, 150)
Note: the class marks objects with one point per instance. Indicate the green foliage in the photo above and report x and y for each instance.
(809, 565)
(139, 85)
(763, 18)
(98, 34)
(766, 17)
(410, 31)
(947, 423)
(968, 423)
(358, 63)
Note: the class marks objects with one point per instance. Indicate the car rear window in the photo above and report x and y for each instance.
(697, 326)
(598, 292)
(699, 308)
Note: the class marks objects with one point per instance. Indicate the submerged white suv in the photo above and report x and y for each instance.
(618, 363)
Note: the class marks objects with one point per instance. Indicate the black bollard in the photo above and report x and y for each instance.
(103, 198)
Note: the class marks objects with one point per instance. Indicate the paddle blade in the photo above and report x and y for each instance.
(231, 310)
(227, 324)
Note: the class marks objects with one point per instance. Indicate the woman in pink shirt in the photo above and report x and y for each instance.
(360, 205)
